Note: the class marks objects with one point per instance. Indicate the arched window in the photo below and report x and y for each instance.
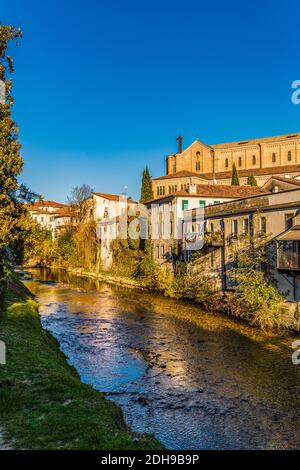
(197, 166)
(253, 159)
(226, 162)
(289, 156)
(273, 157)
(240, 161)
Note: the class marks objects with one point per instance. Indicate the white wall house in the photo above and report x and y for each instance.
(52, 215)
(107, 210)
(167, 213)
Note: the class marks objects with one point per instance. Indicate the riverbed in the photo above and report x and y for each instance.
(194, 379)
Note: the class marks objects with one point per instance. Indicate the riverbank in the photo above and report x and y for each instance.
(43, 403)
(287, 319)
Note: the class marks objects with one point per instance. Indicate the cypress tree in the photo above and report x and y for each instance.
(146, 190)
(251, 181)
(234, 176)
(10, 159)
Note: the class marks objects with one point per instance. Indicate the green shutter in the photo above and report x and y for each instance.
(216, 202)
(202, 203)
(185, 204)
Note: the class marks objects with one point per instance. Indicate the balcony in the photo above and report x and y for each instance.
(288, 261)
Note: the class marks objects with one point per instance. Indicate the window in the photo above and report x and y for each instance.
(234, 227)
(216, 202)
(202, 203)
(212, 227)
(240, 161)
(157, 251)
(289, 156)
(162, 251)
(288, 221)
(185, 204)
(164, 190)
(197, 166)
(169, 189)
(226, 162)
(253, 159)
(245, 226)
(263, 225)
(171, 227)
(273, 157)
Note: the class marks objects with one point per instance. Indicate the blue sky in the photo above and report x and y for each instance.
(103, 87)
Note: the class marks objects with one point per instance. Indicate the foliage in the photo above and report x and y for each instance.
(256, 297)
(146, 269)
(234, 176)
(37, 244)
(146, 190)
(251, 180)
(11, 163)
(164, 280)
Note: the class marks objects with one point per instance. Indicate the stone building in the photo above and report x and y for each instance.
(262, 158)
(167, 212)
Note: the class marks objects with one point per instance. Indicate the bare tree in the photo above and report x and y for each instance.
(79, 194)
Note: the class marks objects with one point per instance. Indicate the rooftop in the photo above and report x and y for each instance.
(262, 140)
(218, 190)
(42, 203)
(113, 197)
(181, 174)
(256, 171)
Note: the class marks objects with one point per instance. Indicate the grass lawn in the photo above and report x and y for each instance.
(43, 403)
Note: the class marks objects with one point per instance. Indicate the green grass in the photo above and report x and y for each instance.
(43, 403)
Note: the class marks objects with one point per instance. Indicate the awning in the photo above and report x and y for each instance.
(293, 234)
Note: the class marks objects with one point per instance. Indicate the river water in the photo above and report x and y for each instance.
(194, 379)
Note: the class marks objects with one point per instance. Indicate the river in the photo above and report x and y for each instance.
(194, 379)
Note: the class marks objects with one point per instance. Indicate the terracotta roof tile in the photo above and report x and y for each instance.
(112, 197)
(277, 138)
(218, 190)
(42, 203)
(256, 171)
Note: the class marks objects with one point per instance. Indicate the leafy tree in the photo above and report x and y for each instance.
(11, 210)
(234, 176)
(251, 181)
(146, 190)
(256, 297)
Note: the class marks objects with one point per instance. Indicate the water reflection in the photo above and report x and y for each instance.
(196, 380)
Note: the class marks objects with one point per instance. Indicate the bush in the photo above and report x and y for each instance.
(164, 281)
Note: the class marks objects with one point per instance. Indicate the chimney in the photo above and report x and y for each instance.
(192, 188)
(179, 140)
